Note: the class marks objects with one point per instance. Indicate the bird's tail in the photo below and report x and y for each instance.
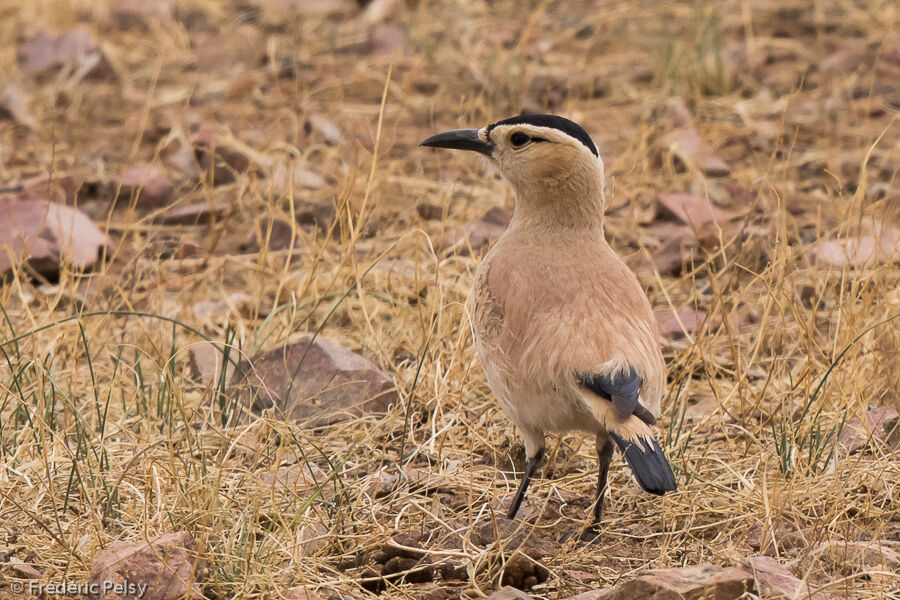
(648, 463)
(638, 444)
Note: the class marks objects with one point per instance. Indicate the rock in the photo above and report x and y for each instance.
(317, 214)
(776, 582)
(60, 187)
(881, 423)
(313, 537)
(607, 594)
(674, 325)
(293, 178)
(169, 566)
(238, 303)
(509, 593)
(14, 106)
(389, 40)
(314, 379)
(229, 54)
(686, 145)
(298, 593)
(478, 233)
(197, 213)
(146, 186)
(43, 234)
(850, 557)
(23, 569)
(205, 363)
(183, 159)
(429, 211)
(292, 478)
(856, 251)
(690, 209)
(330, 132)
(77, 50)
(381, 484)
(670, 247)
(378, 10)
(782, 536)
(706, 582)
(223, 155)
(274, 234)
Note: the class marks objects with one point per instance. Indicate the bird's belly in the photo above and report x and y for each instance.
(536, 403)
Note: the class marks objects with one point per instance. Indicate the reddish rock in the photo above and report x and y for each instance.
(23, 569)
(205, 363)
(686, 145)
(670, 246)
(479, 233)
(850, 557)
(42, 234)
(690, 209)
(509, 593)
(229, 55)
(293, 178)
(607, 594)
(881, 424)
(220, 156)
(857, 251)
(702, 582)
(299, 593)
(59, 187)
(197, 213)
(238, 303)
(775, 582)
(314, 379)
(45, 53)
(330, 132)
(765, 539)
(168, 565)
(146, 186)
(389, 40)
(675, 324)
(14, 106)
(274, 234)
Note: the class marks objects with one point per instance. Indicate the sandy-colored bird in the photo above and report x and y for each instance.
(564, 331)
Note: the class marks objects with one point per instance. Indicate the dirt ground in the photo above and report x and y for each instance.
(287, 134)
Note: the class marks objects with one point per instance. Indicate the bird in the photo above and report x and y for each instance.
(564, 331)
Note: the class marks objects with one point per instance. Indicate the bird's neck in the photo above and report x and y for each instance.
(567, 204)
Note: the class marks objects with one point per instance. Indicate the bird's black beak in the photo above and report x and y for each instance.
(459, 139)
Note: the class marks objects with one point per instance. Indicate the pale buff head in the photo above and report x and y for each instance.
(551, 162)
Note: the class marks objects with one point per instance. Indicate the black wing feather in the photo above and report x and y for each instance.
(622, 389)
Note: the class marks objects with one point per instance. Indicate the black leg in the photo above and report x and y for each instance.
(604, 456)
(531, 466)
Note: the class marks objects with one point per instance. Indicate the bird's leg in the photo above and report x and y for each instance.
(604, 456)
(531, 466)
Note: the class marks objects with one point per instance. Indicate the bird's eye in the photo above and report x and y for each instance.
(519, 139)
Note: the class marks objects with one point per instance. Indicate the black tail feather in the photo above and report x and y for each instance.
(648, 463)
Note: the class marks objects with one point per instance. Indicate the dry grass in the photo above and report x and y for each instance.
(104, 437)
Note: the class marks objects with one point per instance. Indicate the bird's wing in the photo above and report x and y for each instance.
(623, 389)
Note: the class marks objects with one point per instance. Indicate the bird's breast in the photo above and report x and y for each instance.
(543, 312)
